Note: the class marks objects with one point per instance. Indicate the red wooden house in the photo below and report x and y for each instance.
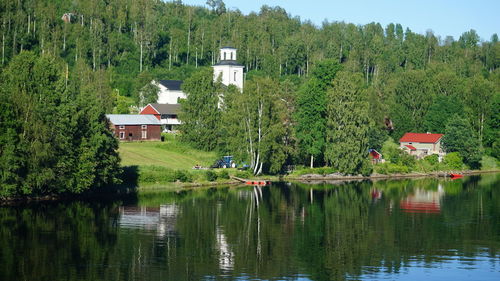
(130, 127)
(375, 156)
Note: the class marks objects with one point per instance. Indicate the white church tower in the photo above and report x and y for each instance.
(230, 71)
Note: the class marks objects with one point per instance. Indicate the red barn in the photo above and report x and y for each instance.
(130, 127)
(375, 156)
(166, 113)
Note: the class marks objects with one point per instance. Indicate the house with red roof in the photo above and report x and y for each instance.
(422, 144)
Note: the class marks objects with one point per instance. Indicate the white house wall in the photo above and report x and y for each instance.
(166, 96)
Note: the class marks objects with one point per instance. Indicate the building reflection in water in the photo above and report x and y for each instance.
(423, 201)
(160, 219)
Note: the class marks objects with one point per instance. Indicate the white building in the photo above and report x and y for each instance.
(169, 91)
(228, 68)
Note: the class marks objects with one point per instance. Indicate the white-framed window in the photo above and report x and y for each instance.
(122, 135)
(144, 134)
(121, 127)
(144, 127)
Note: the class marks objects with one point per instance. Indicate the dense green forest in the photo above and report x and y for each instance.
(393, 80)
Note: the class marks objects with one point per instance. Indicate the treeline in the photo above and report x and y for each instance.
(169, 40)
(393, 80)
(54, 136)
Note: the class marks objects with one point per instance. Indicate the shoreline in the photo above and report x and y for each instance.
(117, 192)
(439, 174)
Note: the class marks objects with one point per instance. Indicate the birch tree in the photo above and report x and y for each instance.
(256, 126)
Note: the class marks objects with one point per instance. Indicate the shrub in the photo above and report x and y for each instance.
(211, 175)
(183, 176)
(432, 159)
(224, 174)
(391, 168)
(243, 174)
(453, 160)
(488, 163)
(318, 171)
(407, 160)
(367, 168)
(152, 174)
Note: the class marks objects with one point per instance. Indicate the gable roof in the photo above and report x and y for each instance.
(174, 85)
(411, 147)
(421, 137)
(133, 119)
(166, 108)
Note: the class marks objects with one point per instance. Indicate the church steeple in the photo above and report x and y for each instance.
(228, 68)
(227, 53)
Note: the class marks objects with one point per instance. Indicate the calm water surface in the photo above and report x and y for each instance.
(424, 229)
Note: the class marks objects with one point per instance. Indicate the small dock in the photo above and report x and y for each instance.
(252, 182)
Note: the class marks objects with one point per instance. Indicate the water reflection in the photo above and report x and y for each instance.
(423, 201)
(406, 229)
(162, 218)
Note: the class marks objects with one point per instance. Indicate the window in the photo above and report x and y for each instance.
(144, 127)
(224, 55)
(122, 135)
(231, 55)
(234, 76)
(121, 127)
(144, 134)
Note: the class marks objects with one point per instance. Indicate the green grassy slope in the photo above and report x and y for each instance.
(170, 154)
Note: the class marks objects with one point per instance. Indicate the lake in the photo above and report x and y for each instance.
(412, 229)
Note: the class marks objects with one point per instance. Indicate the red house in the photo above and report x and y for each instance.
(375, 156)
(130, 127)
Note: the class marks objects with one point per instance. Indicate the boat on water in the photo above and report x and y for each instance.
(455, 176)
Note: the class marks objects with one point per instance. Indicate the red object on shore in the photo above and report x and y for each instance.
(258, 182)
(456, 176)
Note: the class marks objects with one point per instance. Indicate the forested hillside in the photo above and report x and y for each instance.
(405, 81)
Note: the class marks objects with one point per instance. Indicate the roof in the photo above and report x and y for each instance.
(375, 154)
(174, 85)
(421, 137)
(228, 47)
(166, 108)
(133, 119)
(411, 147)
(229, 62)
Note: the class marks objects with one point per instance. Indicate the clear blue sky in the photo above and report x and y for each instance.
(444, 17)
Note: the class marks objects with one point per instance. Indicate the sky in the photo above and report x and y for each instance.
(444, 17)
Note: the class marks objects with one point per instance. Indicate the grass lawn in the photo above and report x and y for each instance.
(170, 154)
